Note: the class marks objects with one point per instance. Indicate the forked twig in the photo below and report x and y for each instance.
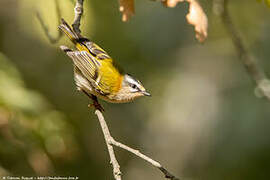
(110, 141)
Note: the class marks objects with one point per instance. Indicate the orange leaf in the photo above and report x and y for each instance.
(198, 19)
(127, 9)
(171, 3)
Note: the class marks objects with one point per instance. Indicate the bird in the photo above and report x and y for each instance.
(96, 74)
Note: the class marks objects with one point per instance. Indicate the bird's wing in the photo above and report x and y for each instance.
(96, 51)
(88, 65)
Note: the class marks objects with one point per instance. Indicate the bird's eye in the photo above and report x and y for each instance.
(133, 86)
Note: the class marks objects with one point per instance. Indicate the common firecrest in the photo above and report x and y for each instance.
(96, 74)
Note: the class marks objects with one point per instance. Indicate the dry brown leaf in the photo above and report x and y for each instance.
(195, 17)
(127, 9)
(198, 19)
(171, 3)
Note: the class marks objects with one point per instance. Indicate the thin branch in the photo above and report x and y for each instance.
(250, 63)
(78, 14)
(110, 141)
(107, 136)
(52, 39)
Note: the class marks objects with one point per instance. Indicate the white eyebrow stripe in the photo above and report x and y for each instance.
(132, 81)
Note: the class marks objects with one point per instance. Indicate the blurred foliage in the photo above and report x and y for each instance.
(30, 125)
(27, 10)
(267, 2)
(203, 120)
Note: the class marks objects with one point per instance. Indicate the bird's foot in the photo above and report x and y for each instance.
(97, 106)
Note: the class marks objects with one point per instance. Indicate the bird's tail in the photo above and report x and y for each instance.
(65, 28)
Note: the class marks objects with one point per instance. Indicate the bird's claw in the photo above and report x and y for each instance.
(97, 106)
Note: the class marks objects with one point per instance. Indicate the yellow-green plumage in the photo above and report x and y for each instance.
(97, 66)
(96, 73)
(111, 78)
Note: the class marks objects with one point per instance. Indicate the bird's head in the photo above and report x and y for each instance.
(131, 88)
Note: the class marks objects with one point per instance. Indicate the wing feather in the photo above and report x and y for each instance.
(87, 65)
(100, 73)
(97, 51)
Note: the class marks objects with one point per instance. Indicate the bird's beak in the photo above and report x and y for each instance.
(146, 93)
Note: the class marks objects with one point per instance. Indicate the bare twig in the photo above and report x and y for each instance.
(110, 141)
(144, 157)
(78, 14)
(250, 63)
(45, 28)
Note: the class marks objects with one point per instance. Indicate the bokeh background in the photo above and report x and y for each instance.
(203, 120)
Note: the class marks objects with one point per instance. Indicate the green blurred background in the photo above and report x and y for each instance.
(203, 120)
